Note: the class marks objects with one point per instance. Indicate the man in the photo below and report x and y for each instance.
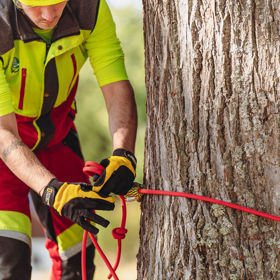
(43, 45)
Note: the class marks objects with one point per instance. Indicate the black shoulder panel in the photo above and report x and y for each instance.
(7, 10)
(86, 12)
(82, 14)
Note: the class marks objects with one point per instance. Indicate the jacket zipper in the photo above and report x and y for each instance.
(47, 50)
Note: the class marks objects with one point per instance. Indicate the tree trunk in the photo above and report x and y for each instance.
(213, 93)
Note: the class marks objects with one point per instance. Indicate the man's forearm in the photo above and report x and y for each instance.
(122, 113)
(22, 162)
(123, 127)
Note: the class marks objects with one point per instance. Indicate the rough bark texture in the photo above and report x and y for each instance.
(213, 94)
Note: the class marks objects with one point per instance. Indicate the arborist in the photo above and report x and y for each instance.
(43, 45)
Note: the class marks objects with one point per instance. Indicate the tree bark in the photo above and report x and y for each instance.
(213, 94)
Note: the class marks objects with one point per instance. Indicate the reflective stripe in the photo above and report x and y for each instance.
(16, 235)
(73, 250)
(15, 221)
(70, 238)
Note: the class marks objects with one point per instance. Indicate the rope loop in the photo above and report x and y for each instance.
(119, 233)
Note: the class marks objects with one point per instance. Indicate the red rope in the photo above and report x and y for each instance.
(94, 241)
(212, 200)
(84, 256)
(119, 233)
(101, 253)
(92, 168)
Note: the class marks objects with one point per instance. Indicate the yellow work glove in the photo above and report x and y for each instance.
(118, 174)
(76, 202)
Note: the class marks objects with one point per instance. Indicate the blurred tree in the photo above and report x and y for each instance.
(213, 95)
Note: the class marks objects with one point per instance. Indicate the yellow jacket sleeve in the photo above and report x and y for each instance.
(6, 105)
(104, 50)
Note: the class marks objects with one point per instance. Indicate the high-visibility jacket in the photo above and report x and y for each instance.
(38, 82)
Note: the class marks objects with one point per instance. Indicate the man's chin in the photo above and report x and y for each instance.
(46, 26)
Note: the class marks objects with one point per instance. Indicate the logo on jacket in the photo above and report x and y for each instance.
(15, 65)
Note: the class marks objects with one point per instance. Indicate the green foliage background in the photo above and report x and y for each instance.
(92, 120)
(92, 125)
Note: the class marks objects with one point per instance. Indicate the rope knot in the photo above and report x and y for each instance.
(119, 233)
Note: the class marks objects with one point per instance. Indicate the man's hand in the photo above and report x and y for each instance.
(118, 174)
(76, 202)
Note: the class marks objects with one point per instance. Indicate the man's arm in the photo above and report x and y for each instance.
(19, 158)
(122, 112)
(78, 200)
(119, 169)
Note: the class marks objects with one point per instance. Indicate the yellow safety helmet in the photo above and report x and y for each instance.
(40, 2)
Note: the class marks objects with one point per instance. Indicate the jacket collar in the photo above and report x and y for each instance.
(67, 26)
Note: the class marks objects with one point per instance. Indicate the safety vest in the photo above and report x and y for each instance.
(38, 82)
